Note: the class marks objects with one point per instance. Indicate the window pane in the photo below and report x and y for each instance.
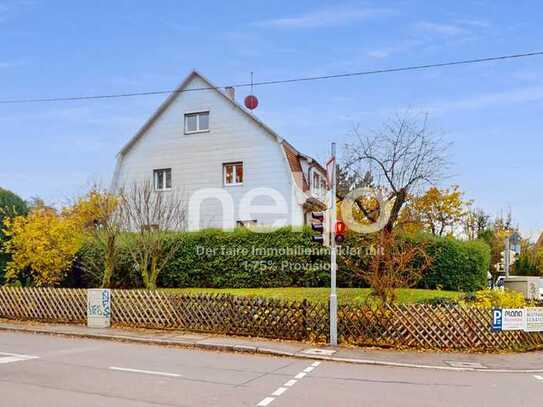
(168, 178)
(239, 173)
(159, 179)
(204, 121)
(191, 122)
(228, 174)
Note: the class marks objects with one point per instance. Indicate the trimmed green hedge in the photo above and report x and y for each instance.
(457, 265)
(282, 258)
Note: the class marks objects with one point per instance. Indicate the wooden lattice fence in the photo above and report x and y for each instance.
(411, 326)
(44, 304)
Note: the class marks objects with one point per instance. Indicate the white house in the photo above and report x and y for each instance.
(230, 167)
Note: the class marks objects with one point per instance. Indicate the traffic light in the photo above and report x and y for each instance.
(320, 225)
(341, 229)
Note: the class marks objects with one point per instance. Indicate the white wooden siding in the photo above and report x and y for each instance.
(197, 159)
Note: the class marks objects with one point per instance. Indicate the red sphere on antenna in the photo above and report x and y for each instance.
(251, 102)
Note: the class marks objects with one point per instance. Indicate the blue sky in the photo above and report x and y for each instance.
(492, 113)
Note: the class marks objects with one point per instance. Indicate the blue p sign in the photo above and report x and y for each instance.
(497, 319)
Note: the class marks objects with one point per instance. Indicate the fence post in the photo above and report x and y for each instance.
(304, 319)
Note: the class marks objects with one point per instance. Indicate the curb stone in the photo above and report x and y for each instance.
(258, 350)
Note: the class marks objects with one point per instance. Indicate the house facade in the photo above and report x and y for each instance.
(228, 167)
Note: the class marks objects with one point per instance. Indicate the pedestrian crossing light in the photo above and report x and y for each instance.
(341, 230)
(320, 225)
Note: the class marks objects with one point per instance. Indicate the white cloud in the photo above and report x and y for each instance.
(326, 17)
(442, 29)
(379, 53)
(475, 23)
(510, 97)
(402, 46)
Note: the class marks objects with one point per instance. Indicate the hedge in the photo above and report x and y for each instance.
(10, 205)
(456, 265)
(282, 258)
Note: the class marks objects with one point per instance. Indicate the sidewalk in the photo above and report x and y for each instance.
(531, 362)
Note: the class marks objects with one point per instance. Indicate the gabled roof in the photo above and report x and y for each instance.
(292, 154)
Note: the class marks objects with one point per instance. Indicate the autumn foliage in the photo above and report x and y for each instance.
(43, 243)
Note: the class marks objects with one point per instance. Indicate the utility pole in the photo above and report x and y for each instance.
(507, 257)
(333, 253)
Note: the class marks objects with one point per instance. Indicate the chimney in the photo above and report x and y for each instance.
(230, 92)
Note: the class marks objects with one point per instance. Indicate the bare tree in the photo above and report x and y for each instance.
(100, 215)
(475, 223)
(402, 156)
(395, 263)
(150, 215)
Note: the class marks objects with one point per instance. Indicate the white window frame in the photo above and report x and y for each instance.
(316, 184)
(197, 114)
(155, 179)
(234, 165)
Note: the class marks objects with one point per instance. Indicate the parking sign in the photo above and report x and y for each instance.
(497, 319)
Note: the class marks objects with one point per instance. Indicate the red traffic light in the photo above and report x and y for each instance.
(341, 228)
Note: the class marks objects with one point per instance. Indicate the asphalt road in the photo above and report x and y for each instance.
(40, 370)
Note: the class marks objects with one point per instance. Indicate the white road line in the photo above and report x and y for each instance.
(540, 378)
(265, 402)
(14, 357)
(290, 383)
(279, 391)
(18, 355)
(10, 359)
(151, 372)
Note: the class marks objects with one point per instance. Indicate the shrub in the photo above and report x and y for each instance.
(244, 259)
(457, 265)
(11, 206)
(489, 298)
(448, 301)
(217, 259)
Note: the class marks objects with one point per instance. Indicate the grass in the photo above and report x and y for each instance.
(315, 295)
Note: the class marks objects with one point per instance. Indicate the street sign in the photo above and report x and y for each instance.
(508, 319)
(513, 319)
(497, 319)
(534, 319)
(98, 308)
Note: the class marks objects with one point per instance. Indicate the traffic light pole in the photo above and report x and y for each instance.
(333, 253)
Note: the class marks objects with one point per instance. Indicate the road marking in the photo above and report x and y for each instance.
(279, 391)
(18, 355)
(540, 378)
(265, 402)
(151, 372)
(290, 383)
(14, 357)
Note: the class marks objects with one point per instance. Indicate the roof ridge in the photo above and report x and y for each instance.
(175, 93)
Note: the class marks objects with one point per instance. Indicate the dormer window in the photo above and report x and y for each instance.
(318, 184)
(196, 122)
